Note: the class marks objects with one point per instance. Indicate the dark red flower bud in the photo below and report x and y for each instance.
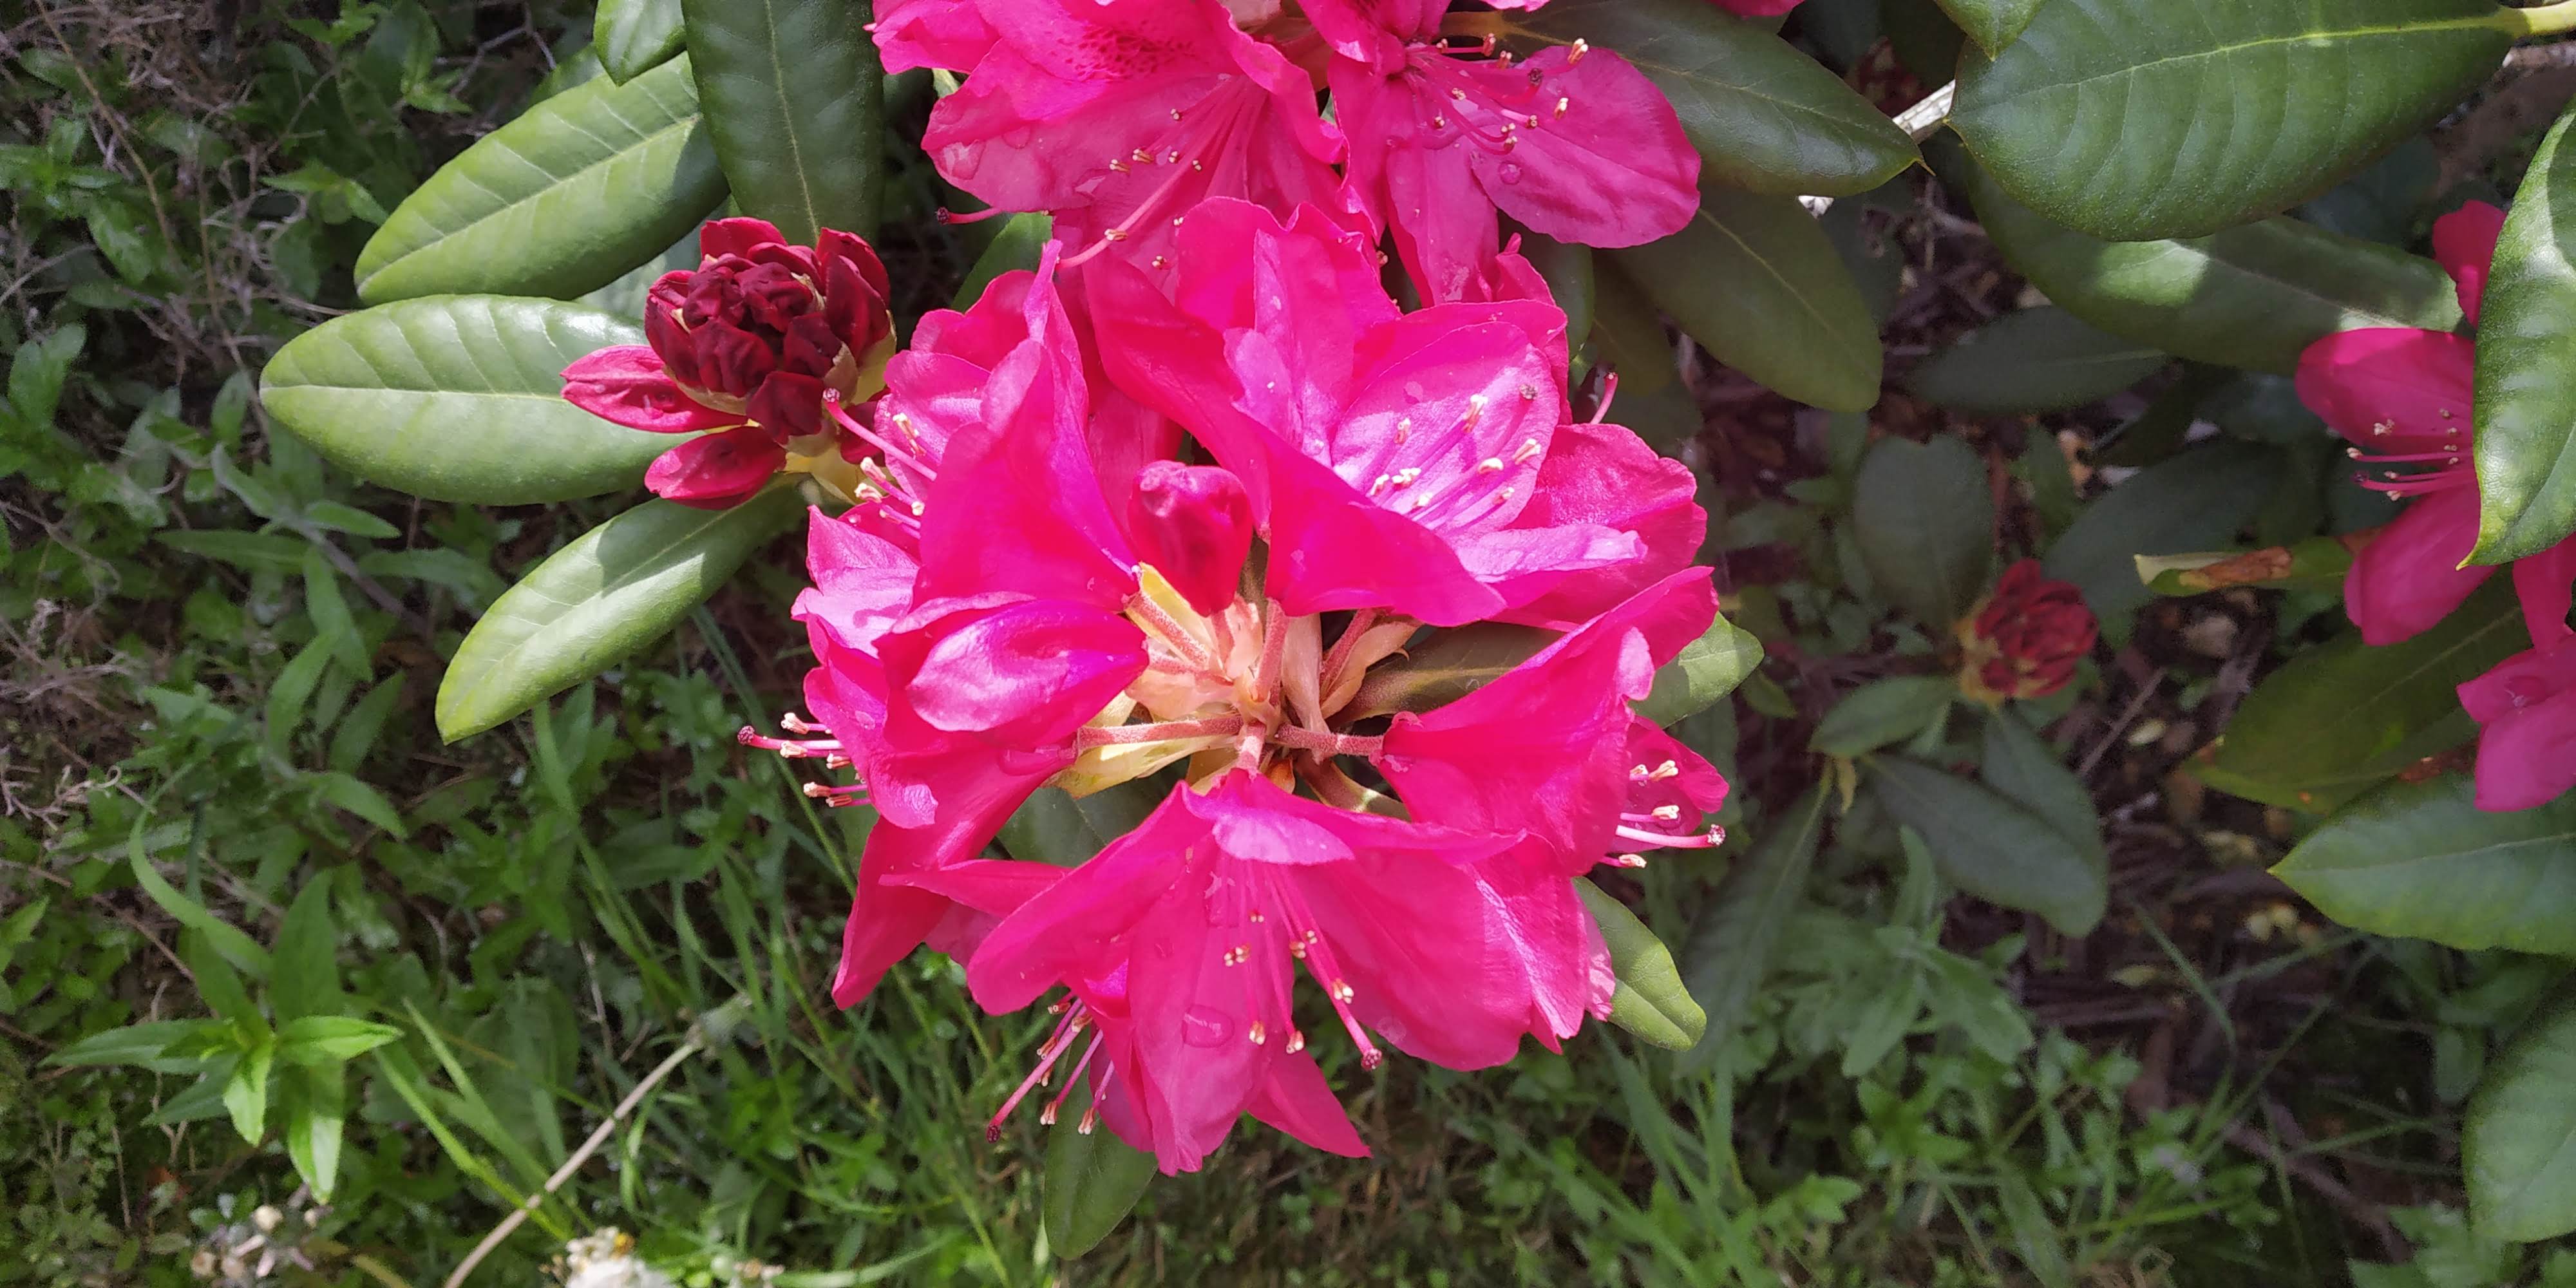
(761, 326)
(1194, 524)
(2026, 637)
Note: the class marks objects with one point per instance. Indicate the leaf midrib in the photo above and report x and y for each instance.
(2222, 51)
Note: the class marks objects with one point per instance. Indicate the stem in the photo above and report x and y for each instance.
(2540, 20)
(1090, 736)
(1331, 744)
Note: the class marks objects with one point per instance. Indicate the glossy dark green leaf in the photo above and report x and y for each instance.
(459, 398)
(1628, 334)
(2423, 861)
(2343, 717)
(2518, 1145)
(1923, 515)
(1650, 1000)
(1991, 23)
(2027, 771)
(1705, 671)
(1016, 247)
(1882, 712)
(2526, 393)
(795, 101)
(615, 589)
(2195, 501)
(2253, 296)
(635, 36)
(1730, 945)
(1566, 267)
(1991, 847)
(2036, 360)
(1092, 1182)
(1765, 117)
(580, 188)
(1447, 667)
(1053, 826)
(2138, 119)
(1762, 287)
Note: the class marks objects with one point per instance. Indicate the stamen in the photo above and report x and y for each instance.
(946, 216)
(1710, 839)
(1172, 632)
(1331, 744)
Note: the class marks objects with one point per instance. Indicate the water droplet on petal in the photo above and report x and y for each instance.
(1203, 1026)
(1510, 172)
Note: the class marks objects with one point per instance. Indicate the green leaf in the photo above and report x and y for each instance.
(314, 1102)
(1762, 287)
(577, 190)
(305, 958)
(2518, 1145)
(1923, 516)
(248, 551)
(37, 373)
(360, 798)
(1566, 267)
(1882, 712)
(635, 36)
(1764, 116)
(794, 101)
(615, 589)
(2194, 501)
(132, 1044)
(2136, 119)
(1451, 665)
(329, 610)
(2526, 391)
(2253, 296)
(246, 1092)
(230, 944)
(459, 398)
(326, 1039)
(2036, 360)
(1730, 945)
(1991, 23)
(1704, 672)
(1015, 248)
(2423, 861)
(2343, 717)
(1629, 338)
(336, 517)
(1650, 1000)
(1992, 848)
(2318, 563)
(1052, 826)
(1093, 1179)
(202, 1100)
(2024, 769)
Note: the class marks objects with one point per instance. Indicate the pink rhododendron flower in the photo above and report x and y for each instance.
(748, 346)
(2403, 397)
(1421, 463)
(1115, 115)
(2526, 713)
(1573, 142)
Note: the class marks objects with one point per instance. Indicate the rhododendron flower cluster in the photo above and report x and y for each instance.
(1041, 584)
(744, 352)
(1116, 116)
(2026, 637)
(2403, 397)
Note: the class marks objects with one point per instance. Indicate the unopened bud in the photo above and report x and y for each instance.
(1194, 524)
(2025, 638)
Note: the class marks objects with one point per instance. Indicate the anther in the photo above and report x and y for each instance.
(1529, 393)
(1575, 55)
(1562, 104)
(1529, 451)
(1667, 813)
(1296, 1041)
(1257, 1033)
(1627, 860)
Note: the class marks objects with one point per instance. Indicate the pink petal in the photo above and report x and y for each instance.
(2527, 748)
(627, 385)
(1614, 169)
(1295, 1099)
(2392, 389)
(1025, 674)
(1194, 524)
(2546, 585)
(2464, 243)
(947, 34)
(716, 471)
(2409, 576)
(888, 920)
(1605, 475)
(739, 235)
(862, 582)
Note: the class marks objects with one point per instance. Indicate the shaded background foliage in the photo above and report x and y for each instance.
(217, 761)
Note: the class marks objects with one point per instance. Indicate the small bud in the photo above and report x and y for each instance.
(1194, 524)
(2025, 638)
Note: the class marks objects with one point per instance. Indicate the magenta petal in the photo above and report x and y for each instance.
(2392, 389)
(862, 582)
(1605, 475)
(947, 34)
(739, 235)
(2464, 243)
(1194, 524)
(2409, 576)
(1295, 1099)
(888, 920)
(627, 385)
(1614, 169)
(2546, 585)
(716, 471)
(1024, 674)
(2527, 747)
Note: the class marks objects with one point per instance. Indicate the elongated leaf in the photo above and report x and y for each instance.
(1650, 1000)
(1451, 665)
(314, 1102)
(1993, 24)
(2526, 403)
(2036, 360)
(1762, 287)
(1882, 712)
(615, 589)
(305, 960)
(1924, 518)
(2135, 119)
(2422, 860)
(1093, 1180)
(2253, 296)
(579, 189)
(2344, 717)
(132, 1044)
(329, 1039)
(459, 398)
(1765, 117)
(2192, 502)
(246, 1092)
(635, 36)
(1629, 337)
(1992, 848)
(1730, 945)
(793, 98)
(2028, 772)
(232, 945)
(1705, 671)
(2519, 1143)
(2318, 563)
(1055, 827)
